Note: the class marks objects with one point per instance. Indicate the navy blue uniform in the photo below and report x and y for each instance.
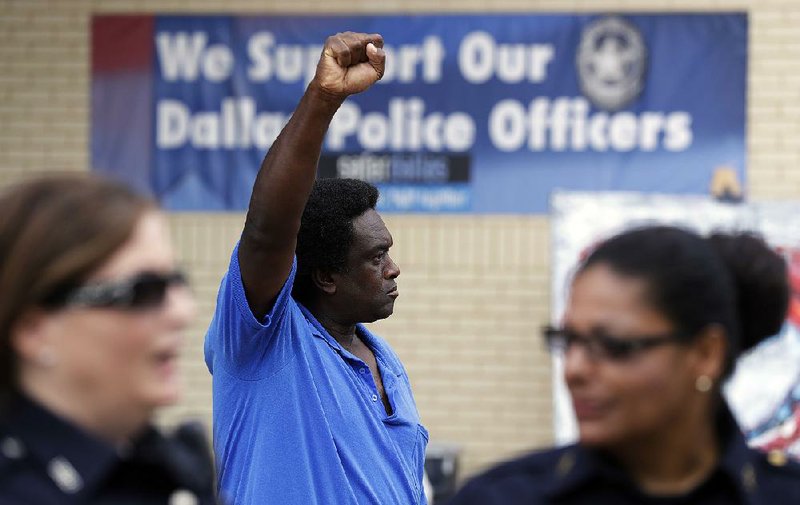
(45, 460)
(576, 475)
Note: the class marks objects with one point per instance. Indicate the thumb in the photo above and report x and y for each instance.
(377, 58)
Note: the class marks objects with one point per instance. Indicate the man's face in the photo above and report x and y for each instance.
(366, 289)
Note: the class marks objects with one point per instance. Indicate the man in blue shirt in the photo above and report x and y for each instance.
(309, 406)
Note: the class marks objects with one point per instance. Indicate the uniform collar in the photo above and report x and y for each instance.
(79, 463)
(74, 460)
(738, 460)
(576, 465)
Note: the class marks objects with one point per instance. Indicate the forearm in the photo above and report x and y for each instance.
(288, 171)
(280, 192)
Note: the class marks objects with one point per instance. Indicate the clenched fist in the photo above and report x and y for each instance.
(350, 63)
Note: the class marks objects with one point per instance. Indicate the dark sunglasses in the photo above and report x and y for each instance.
(605, 347)
(142, 291)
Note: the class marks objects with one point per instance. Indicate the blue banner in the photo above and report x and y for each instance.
(476, 113)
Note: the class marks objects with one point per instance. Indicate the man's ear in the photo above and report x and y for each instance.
(324, 280)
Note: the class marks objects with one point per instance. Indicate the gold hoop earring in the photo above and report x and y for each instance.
(703, 384)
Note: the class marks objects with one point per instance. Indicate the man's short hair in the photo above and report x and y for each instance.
(326, 228)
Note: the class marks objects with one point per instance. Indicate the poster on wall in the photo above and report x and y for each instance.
(764, 392)
(481, 113)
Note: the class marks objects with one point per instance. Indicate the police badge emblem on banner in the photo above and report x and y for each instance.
(611, 63)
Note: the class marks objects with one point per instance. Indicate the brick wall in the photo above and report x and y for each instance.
(474, 289)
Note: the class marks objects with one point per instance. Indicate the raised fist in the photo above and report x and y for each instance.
(350, 63)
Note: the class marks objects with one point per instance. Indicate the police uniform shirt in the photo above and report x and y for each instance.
(46, 460)
(575, 475)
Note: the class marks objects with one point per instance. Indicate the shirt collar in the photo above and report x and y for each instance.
(80, 463)
(738, 460)
(371, 340)
(68, 452)
(574, 467)
(577, 465)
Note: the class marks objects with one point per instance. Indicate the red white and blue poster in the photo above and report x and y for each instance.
(481, 113)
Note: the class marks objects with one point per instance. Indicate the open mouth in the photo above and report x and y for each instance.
(166, 360)
(588, 409)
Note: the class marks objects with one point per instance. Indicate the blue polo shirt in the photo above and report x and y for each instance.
(297, 418)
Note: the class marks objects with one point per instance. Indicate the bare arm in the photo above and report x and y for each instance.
(350, 63)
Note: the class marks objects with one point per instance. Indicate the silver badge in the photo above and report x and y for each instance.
(64, 475)
(12, 448)
(611, 63)
(183, 497)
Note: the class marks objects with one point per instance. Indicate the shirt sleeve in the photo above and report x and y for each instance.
(244, 346)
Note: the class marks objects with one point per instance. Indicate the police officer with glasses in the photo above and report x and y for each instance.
(92, 320)
(655, 320)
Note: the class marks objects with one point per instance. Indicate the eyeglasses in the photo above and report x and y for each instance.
(143, 291)
(605, 347)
